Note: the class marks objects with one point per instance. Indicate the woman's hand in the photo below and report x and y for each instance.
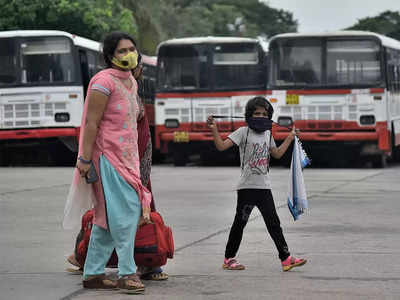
(145, 217)
(83, 168)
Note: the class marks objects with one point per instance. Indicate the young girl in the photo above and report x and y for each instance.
(255, 143)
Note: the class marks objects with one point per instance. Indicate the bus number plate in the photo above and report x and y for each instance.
(292, 99)
(181, 136)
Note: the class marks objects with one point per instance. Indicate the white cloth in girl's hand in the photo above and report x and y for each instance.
(297, 196)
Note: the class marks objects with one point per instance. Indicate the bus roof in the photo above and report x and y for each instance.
(386, 41)
(77, 40)
(207, 40)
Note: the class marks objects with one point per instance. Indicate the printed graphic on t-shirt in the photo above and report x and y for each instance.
(258, 161)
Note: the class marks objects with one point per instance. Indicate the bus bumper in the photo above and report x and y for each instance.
(20, 134)
(184, 137)
(381, 137)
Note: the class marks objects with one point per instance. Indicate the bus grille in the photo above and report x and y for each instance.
(321, 112)
(23, 115)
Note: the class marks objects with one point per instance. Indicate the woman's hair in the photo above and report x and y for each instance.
(255, 102)
(110, 43)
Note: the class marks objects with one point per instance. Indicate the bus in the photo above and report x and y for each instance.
(148, 92)
(198, 77)
(341, 89)
(43, 80)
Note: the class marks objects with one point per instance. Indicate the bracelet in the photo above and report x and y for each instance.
(81, 159)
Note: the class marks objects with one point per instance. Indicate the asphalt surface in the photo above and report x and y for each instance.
(350, 236)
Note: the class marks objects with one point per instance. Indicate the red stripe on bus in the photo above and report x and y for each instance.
(210, 94)
(331, 136)
(377, 90)
(20, 134)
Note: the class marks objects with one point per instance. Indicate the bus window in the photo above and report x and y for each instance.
(353, 62)
(47, 60)
(237, 66)
(297, 62)
(8, 62)
(92, 58)
(183, 67)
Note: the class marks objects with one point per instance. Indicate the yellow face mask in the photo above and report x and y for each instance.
(127, 62)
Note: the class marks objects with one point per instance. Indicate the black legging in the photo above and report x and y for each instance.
(247, 199)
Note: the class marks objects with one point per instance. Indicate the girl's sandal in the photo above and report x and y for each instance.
(131, 284)
(99, 282)
(292, 262)
(232, 264)
(156, 276)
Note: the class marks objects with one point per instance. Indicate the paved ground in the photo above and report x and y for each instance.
(350, 237)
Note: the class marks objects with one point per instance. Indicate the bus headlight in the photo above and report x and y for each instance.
(367, 120)
(171, 123)
(61, 117)
(285, 121)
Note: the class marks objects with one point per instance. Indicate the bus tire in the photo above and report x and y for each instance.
(379, 161)
(179, 156)
(180, 159)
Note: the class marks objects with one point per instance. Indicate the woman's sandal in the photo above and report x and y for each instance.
(232, 264)
(131, 284)
(79, 270)
(156, 276)
(99, 282)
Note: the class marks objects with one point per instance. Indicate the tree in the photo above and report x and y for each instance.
(387, 23)
(89, 18)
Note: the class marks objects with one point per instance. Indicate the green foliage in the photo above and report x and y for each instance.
(88, 18)
(387, 23)
(150, 21)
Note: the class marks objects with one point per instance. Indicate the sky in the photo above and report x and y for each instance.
(328, 15)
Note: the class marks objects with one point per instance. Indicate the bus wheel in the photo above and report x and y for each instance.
(179, 156)
(3, 158)
(379, 161)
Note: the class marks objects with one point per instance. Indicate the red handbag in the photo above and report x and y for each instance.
(154, 242)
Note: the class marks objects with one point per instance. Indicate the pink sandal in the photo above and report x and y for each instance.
(292, 262)
(232, 264)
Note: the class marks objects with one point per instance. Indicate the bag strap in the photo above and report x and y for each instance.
(244, 151)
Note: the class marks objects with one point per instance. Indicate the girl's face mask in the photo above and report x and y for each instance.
(126, 62)
(259, 124)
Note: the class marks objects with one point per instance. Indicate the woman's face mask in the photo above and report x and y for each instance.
(126, 62)
(259, 124)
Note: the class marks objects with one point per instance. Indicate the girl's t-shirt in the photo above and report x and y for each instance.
(254, 157)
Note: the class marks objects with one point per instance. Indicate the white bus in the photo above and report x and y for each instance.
(198, 77)
(341, 89)
(43, 81)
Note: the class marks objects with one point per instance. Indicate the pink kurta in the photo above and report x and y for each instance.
(117, 136)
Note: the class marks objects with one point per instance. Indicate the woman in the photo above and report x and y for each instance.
(145, 154)
(109, 141)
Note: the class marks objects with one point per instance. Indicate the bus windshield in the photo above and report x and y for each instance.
(183, 67)
(237, 66)
(37, 61)
(321, 63)
(208, 67)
